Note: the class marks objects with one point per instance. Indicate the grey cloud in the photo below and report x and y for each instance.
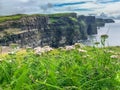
(0, 5)
(46, 7)
(30, 2)
(8, 7)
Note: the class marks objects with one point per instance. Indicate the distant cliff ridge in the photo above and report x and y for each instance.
(54, 30)
(101, 22)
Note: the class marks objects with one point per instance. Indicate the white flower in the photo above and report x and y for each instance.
(1, 60)
(10, 61)
(79, 45)
(69, 48)
(81, 50)
(85, 56)
(40, 50)
(47, 48)
(11, 53)
(61, 48)
(113, 56)
(109, 51)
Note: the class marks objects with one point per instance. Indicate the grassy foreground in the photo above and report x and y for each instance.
(77, 68)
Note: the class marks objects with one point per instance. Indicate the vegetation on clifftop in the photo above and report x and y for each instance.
(18, 16)
(67, 68)
(9, 18)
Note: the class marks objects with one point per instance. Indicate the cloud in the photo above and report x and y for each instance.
(0, 5)
(82, 9)
(24, 0)
(111, 7)
(107, 1)
(47, 6)
(68, 4)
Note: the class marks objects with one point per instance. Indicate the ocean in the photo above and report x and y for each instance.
(113, 32)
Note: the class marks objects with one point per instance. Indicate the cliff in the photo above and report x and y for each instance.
(101, 22)
(90, 21)
(39, 30)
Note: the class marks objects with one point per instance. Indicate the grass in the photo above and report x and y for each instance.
(12, 17)
(55, 17)
(73, 19)
(61, 14)
(89, 69)
(19, 16)
(16, 17)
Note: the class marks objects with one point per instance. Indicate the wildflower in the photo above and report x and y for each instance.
(104, 36)
(68, 48)
(109, 51)
(97, 43)
(28, 49)
(12, 53)
(57, 72)
(10, 61)
(84, 56)
(39, 50)
(47, 48)
(1, 60)
(79, 45)
(81, 50)
(113, 56)
(103, 39)
(61, 48)
(19, 66)
(116, 53)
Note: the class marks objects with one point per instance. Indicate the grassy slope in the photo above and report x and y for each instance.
(61, 70)
(12, 17)
(18, 16)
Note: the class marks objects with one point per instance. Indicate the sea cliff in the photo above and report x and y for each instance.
(54, 30)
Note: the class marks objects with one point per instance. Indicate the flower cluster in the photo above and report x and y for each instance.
(82, 51)
(109, 51)
(114, 56)
(1, 60)
(40, 50)
(85, 56)
(79, 45)
(68, 48)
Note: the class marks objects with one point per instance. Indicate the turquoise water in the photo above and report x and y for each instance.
(112, 30)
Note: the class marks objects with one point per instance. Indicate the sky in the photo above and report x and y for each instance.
(109, 7)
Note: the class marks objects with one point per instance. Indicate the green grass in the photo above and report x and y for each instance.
(61, 70)
(61, 14)
(16, 17)
(19, 16)
(73, 19)
(12, 17)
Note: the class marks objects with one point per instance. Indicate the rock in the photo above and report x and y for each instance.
(101, 22)
(53, 30)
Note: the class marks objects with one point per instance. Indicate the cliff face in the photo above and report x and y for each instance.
(54, 30)
(101, 22)
(30, 31)
(91, 26)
